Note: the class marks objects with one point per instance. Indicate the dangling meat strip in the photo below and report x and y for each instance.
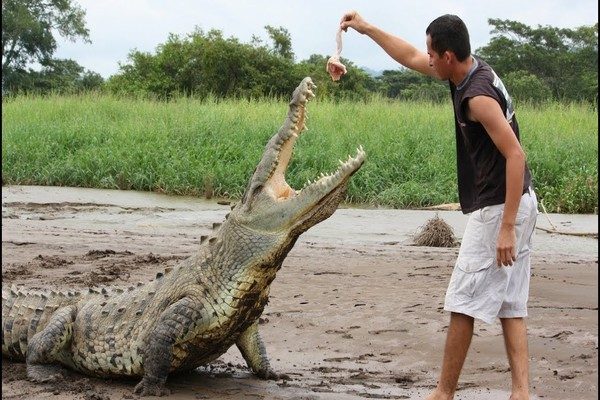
(335, 68)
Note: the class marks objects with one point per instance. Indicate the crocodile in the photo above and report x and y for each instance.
(193, 312)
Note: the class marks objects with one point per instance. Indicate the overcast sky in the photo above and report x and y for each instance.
(117, 27)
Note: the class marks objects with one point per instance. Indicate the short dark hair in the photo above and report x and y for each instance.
(449, 32)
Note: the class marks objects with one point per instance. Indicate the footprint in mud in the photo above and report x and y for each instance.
(15, 271)
(18, 270)
(106, 274)
(73, 383)
(405, 379)
(493, 368)
(95, 254)
(48, 262)
(582, 357)
(566, 376)
(562, 335)
(338, 359)
(380, 331)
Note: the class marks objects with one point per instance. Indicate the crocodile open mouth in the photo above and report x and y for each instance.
(276, 184)
(268, 180)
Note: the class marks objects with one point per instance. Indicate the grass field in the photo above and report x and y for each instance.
(211, 147)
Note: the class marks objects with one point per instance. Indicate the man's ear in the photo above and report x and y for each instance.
(448, 56)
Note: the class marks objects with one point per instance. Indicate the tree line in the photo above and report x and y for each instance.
(536, 63)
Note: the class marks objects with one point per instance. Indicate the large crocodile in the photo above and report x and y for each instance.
(191, 314)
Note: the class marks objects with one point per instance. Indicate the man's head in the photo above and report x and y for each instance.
(447, 39)
(449, 33)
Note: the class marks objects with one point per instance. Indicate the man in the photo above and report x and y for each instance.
(491, 276)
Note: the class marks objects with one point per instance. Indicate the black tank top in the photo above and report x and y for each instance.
(481, 167)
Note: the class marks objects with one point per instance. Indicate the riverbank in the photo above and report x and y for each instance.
(355, 311)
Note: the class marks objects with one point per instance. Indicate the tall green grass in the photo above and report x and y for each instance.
(187, 146)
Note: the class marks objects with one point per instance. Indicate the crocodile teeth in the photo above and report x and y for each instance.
(325, 180)
(295, 117)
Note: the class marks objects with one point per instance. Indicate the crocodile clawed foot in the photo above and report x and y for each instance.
(269, 374)
(284, 377)
(145, 388)
(44, 373)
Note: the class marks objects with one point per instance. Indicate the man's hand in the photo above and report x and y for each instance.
(506, 252)
(353, 20)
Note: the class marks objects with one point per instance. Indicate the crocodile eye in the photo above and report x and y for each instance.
(249, 198)
(257, 190)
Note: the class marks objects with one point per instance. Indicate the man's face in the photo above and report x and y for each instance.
(437, 62)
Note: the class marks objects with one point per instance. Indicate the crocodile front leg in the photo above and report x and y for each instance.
(45, 345)
(253, 350)
(172, 325)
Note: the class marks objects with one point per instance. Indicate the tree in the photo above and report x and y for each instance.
(206, 63)
(57, 76)
(27, 29)
(282, 41)
(410, 85)
(524, 86)
(536, 64)
(565, 60)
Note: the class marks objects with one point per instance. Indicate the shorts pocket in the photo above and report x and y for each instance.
(525, 223)
(468, 277)
(491, 217)
(474, 264)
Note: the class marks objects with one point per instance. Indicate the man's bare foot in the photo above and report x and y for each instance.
(439, 395)
(519, 395)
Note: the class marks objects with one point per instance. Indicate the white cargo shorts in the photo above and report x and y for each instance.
(478, 287)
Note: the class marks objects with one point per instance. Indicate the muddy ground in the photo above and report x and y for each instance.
(355, 312)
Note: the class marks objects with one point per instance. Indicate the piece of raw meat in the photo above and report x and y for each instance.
(335, 68)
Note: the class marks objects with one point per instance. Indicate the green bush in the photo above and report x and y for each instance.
(526, 87)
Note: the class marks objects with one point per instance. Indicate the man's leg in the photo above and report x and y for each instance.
(458, 341)
(515, 340)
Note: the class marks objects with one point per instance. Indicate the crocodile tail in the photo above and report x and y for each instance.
(26, 312)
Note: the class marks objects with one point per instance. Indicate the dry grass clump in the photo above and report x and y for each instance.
(436, 233)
